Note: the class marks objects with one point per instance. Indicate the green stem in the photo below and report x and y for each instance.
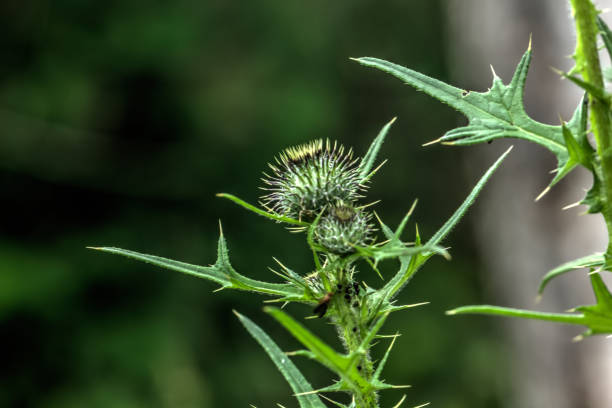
(587, 62)
(352, 332)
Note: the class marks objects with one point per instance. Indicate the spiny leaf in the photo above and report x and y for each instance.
(393, 308)
(338, 386)
(578, 154)
(606, 35)
(342, 365)
(409, 265)
(494, 114)
(382, 363)
(597, 318)
(598, 93)
(402, 225)
(387, 232)
(590, 261)
(512, 312)
(367, 163)
(300, 386)
(592, 199)
(460, 212)
(393, 250)
(259, 211)
(221, 272)
(310, 239)
(371, 334)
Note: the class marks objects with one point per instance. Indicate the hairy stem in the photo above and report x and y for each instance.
(352, 332)
(587, 62)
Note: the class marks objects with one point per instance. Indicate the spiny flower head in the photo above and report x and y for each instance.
(343, 228)
(309, 177)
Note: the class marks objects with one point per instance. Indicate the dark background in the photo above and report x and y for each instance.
(120, 120)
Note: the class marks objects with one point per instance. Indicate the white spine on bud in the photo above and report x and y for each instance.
(310, 177)
(343, 228)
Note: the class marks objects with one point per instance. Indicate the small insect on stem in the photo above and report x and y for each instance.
(321, 308)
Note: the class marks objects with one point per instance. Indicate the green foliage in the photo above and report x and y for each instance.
(299, 385)
(357, 312)
(500, 113)
(221, 272)
(597, 318)
(497, 113)
(411, 263)
(589, 261)
(343, 365)
(316, 191)
(126, 146)
(367, 163)
(258, 211)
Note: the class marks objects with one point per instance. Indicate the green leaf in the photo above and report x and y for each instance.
(221, 272)
(578, 146)
(383, 362)
(259, 211)
(593, 198)
(590, 261)
(343, 365)
(367, 163)
(393, 250)
(402, 225)
(371, 333)
(512, 312)
(597, 318)
(300, 386)
(460, 212)
(598, 93)
(606, 35)
(411, 263)
(578, 154)
(494, 114)
(311, 243)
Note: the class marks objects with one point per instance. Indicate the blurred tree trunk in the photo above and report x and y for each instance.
(520, 240)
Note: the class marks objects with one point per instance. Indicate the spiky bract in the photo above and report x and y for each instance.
(309, 177)
(343, 228)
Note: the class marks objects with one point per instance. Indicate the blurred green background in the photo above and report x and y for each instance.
(119, 122)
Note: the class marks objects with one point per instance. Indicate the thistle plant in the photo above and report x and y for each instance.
(317, 190)
(499, 113)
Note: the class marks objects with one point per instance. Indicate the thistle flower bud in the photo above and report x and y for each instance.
(308, 177)
(342, 228)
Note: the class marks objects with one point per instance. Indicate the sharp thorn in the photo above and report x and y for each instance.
(400, 401)
(432, 142)
(542, 194)
(493, 71)
(567, 207)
